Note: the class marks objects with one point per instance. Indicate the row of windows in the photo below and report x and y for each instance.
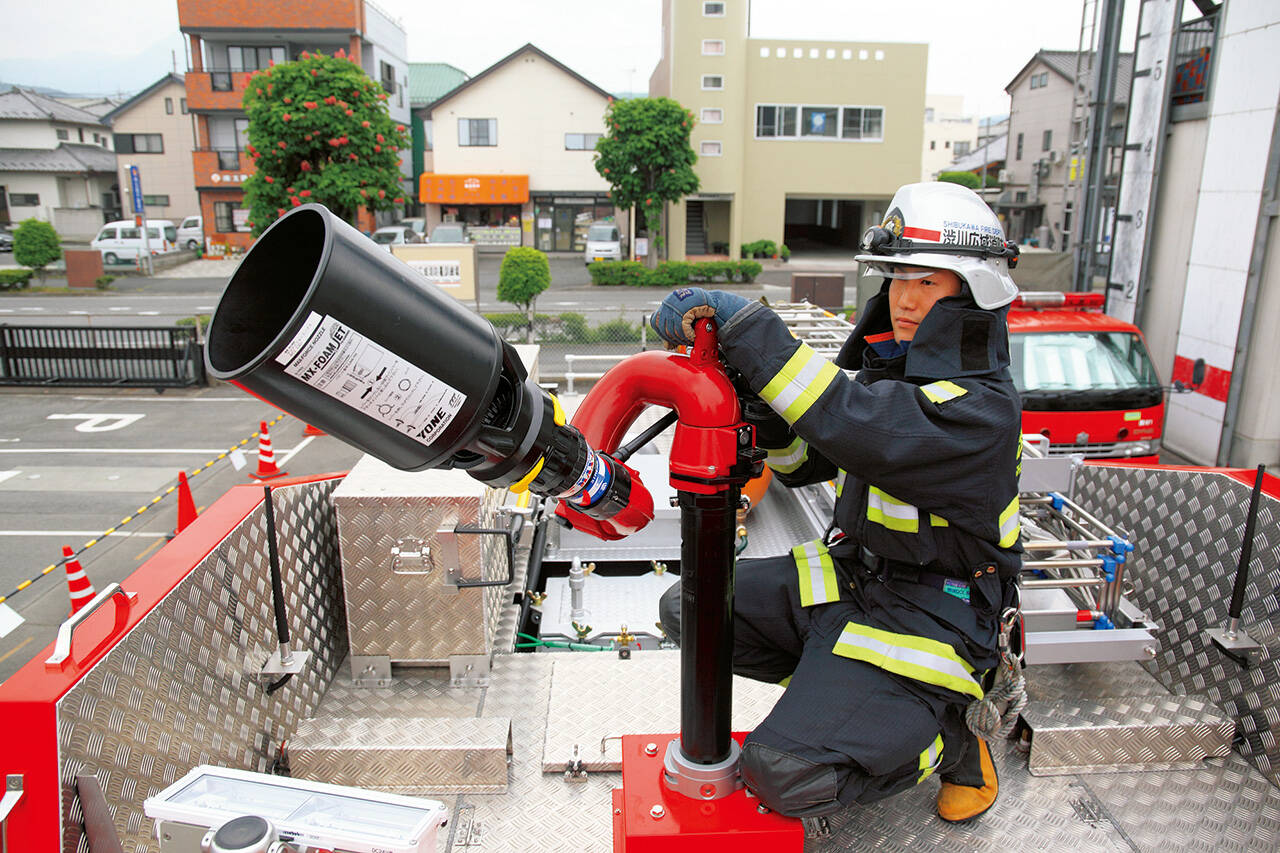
(961, 149)
(139, 143)
(24, 199)
(168, 105)
(65, 135)
(806, 122)
(1046, 143)
(483, 132)
(1039, 81)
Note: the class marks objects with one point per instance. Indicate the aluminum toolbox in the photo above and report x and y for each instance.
(425, 566)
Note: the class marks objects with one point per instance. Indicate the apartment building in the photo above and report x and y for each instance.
(513, 150)
(155, 131)
(949, 134)
(56, 165)
(229, 39)
(1040, 161)
(797, 141)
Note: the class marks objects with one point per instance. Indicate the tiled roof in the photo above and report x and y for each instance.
(430, 80)
(67, 157)
(995, 150)
(1064, 62)
(24, 104)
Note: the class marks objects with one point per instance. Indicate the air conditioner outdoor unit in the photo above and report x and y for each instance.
(1003, 176)
(1055, 156)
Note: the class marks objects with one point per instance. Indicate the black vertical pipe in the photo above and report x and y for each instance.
(1246, 548)
(707, 525)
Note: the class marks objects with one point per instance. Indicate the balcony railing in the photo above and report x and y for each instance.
(1193, 60)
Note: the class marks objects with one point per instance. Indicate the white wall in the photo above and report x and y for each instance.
(946, 126)
(535, 104)
(42, 134)
(169, 173)
(42, 184)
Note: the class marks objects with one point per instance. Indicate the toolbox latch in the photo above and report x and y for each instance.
(411, 556)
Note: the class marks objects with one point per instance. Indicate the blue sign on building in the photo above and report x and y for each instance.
(135, 186)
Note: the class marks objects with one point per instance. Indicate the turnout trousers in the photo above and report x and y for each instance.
(877, 673)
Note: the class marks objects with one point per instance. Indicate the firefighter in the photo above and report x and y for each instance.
(882, 630)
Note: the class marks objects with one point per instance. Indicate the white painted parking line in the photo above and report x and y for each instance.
(4, 475)
(120, 308)
(184, 400)
(148, 313)
(288, 454)
(205, 307)
(76, 534)
(135, 450)
(80, 480)
(30, 308)
(80, 313)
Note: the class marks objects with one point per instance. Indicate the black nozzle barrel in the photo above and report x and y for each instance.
(1246, 548)
(707, 524)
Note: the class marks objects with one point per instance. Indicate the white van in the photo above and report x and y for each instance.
(122, 240)
(603, 243)
(191, 232)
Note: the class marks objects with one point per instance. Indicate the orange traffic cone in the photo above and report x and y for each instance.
(186, 504)
(310, 430)
(78, 586)
(267, 467)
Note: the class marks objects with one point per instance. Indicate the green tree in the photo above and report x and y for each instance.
(36, 245)
(319, 132)
(646, 157)
(964, 179)
(524, 274)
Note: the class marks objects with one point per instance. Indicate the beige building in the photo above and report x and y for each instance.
(513, 151)
(949, 134)
(153, 131)
(802, 142)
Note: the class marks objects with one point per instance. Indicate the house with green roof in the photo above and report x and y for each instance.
(427, 82)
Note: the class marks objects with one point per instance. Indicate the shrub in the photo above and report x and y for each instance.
(964, 179)
(15, 279)
(524, 274)
(200, 319)
(36, 245)
(103, 282)
(574, 329)
(616, 272)
(759, 249)
(616, 331)
(784, 252)
(673, 273)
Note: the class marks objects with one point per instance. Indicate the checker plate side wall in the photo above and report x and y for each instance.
(177, 690)
(1187, 527)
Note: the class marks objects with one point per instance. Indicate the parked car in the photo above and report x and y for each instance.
(449, 232)
(122, 239)
(395, 235)
(191, 232)
(603, 243)
(6, 240)
(417, 223)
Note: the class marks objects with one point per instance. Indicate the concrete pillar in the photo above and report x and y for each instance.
(197, 61)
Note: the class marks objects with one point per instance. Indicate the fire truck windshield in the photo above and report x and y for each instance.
(1083, 371)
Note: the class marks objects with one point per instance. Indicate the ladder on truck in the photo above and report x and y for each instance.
(819, 328)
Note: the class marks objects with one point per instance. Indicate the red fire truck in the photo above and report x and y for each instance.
(1086, 379)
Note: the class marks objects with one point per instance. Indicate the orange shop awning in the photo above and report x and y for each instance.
(473, 189)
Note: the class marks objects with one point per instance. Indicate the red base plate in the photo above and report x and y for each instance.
(732, 823)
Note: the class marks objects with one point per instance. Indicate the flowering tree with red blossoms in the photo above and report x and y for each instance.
(319, 131)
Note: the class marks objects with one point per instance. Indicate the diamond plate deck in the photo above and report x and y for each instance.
(1125, 733)
(404, 755)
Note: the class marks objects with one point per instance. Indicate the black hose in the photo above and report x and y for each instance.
(623, 453)
(533, 574)
(277, 587)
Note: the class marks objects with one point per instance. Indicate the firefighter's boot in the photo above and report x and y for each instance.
(974, 788)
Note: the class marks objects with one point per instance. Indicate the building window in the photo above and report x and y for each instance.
(1020, 196)
(1018, 154)
(933, 145)
(155, 200)
(1047, 142)
(947, 145)
(182, 105)
(713, 82)
(764, 53)
(819, 121)
(709, 149)
(713, 47)
(139, 143)
(228, 218)
(63, 134)
(388, 74)
(961, 148)
(712, 115)
(863, 123)
(168, 106)
(104, 142)
(96, 139)
(477, 131)
(80, 130)
(253, 58)
(775, 121)
(581, 141)
(1039, 81)
(24, 199)
(712, 10)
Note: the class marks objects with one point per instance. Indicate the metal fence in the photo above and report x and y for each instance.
(94, 356)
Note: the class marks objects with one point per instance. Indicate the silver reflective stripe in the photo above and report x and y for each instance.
(788, 458)
(884, 509)
(930, 759)
(841, 475)
(817, 574)
(918, 658)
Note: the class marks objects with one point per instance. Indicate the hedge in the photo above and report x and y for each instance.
(15, 279)
(672, 273)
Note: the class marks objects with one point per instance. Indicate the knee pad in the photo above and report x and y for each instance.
(788, 784)
(669, 612)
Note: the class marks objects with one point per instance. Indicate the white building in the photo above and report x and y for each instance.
(154, 131)
(56, 164)
(948, 134)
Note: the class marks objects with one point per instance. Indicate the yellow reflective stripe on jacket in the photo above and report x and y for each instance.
(1009, 525)
(817, 574)
(930, 759)
(943, 391)
(799, 383)
(886, 510)
(841, 476)
(1018, 472)
(918, 658)
(789, 458)
(938, 521)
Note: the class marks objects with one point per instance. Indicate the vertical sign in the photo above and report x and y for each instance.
(135, 187)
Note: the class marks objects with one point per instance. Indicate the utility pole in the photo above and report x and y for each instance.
(1104, 86)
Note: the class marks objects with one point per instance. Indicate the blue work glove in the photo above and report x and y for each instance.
(674, 319)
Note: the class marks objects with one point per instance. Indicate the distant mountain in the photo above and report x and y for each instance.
(91, 74)
(43, 90)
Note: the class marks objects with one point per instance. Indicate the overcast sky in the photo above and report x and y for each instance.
(975, 48)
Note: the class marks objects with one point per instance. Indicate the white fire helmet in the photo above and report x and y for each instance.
(945, 226)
